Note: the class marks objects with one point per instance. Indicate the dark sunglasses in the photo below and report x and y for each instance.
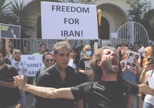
(88, 49)
(47, 60)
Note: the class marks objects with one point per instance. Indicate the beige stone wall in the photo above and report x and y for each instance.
(115, 11)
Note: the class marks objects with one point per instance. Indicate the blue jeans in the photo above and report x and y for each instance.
(23, 98)
(147, 105)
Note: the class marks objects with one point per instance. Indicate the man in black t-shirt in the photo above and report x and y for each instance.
(57, 76)
(109, 90)
(9, 94)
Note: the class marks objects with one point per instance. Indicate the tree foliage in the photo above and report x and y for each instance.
(137, 9)
(148, 22)
(26, 15)
(80, 1)
(140, 11)
(3, 10)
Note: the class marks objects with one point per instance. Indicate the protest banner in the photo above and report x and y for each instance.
(34, 63)
(74, 21)
(10, 31)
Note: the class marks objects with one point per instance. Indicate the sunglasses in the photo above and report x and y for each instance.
(88, 49)
(47, 60)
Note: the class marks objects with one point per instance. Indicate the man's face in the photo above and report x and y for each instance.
(25, 50)
(136, 47)
(109, 61)
(43, 49)
(48, 61)
(17, 55)
(62, 58)
(2, 59)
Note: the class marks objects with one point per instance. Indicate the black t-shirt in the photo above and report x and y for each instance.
(105, 94)
(8, 96)
(51, 78)
(7, 61)
(84, 64)
(38, 73)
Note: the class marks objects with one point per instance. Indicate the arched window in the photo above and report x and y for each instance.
(104, 29)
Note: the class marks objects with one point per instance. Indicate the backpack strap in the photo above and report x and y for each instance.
(151, 73)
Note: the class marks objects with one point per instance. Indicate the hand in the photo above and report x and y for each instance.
(128, 67)
(66, 40)
(20, 81)
(18, 106)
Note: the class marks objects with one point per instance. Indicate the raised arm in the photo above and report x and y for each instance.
(86, 72)
(146, 89)
(7, 48)
(144, 75)
(45, 92)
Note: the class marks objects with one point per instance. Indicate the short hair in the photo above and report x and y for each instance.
(16, 50)
(3, 53)
(46, 53)
(60, 45)
(137, 43)
(42, 44)
(97, 71)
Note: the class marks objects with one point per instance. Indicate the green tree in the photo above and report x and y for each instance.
(3, 10)
(140, 12)
(80, 1)
(25, 15)
(137, 9)
(147, 22)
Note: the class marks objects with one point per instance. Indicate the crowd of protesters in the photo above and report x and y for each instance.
(58, 74)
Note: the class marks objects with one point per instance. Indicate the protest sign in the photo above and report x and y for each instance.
(34, 63)
(10, 31)
(74, 21)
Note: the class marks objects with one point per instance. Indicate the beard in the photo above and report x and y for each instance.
(17, 59)
(108, 68)
(2, 62)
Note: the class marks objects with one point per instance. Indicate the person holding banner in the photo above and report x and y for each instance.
(22, 70)
(57, 76)
(108, 91)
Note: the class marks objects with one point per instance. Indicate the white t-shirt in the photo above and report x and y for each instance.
(20, 66)
(150, 98)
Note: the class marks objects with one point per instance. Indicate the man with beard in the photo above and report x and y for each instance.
(108, 91)
(22, 70)
(9, 94)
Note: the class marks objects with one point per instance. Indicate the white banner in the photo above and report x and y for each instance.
(74, 21)
(34, 63)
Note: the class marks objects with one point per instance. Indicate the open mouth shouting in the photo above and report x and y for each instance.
(114, 62)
